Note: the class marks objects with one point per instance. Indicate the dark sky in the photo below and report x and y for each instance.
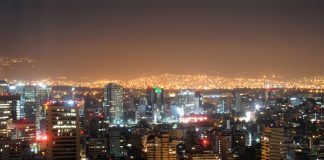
(123, 39)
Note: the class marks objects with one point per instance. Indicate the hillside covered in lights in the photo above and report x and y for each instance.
(172, 81)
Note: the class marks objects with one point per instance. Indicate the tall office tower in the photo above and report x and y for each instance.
(224, 144)
(29, 102)
(113, 103)
(199, 95)
(34, 96)
(227, 102)
(42, 95)
(189, 102)
(155, 101)
(242, 103)
(95, 124)
(129, 106)
(114, 145)
(118, 140)
(96, 148)
(9, 110)
(273, 144)
(238, 103)
(32, 99)
(239, 141)
(4, 86)
(63, 131)
(159, 146)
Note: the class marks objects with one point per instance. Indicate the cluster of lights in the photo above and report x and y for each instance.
(171, 81)
(62, 102)
(64, 126)
(193, 119)
(41, 138)
(6, 61)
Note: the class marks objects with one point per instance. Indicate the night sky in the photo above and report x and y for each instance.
(124, 39)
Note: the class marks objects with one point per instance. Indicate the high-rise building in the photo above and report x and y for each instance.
(95, 124)
(63, 130)
(97, 148)
(34, 96)
(114, 145)
(155, 102)
(113, 103)
(118, 142)
(242, 103)
(239, 141)
(29, 102)
(32, 100)
(159, 146)
(4, 86)
(273, 144)
(189, 102)
(224, 144)
(9, 110)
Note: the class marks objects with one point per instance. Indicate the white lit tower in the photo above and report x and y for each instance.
(113, 103)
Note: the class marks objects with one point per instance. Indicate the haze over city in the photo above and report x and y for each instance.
(124, 39)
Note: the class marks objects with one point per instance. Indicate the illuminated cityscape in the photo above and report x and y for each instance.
(78, 122)
(172, 81)
(161, 80)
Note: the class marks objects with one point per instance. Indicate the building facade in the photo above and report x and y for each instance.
(63, 131)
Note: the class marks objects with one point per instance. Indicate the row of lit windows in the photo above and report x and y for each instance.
(65, 110)
(66, 122)
(64, 130)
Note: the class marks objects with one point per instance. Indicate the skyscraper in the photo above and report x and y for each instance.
(29, 97)
(224, 144)
(4, 86)
(63, 131)
(114, 137)
(9, 110)
(159, 146)
(189, 102)
(273, 144)
(32, 99)
(155, 101)
(113, 103)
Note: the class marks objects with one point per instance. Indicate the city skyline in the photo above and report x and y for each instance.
(124, 39)
(161, 80)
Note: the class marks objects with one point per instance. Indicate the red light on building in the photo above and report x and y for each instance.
(204, 142)
(193, 119)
